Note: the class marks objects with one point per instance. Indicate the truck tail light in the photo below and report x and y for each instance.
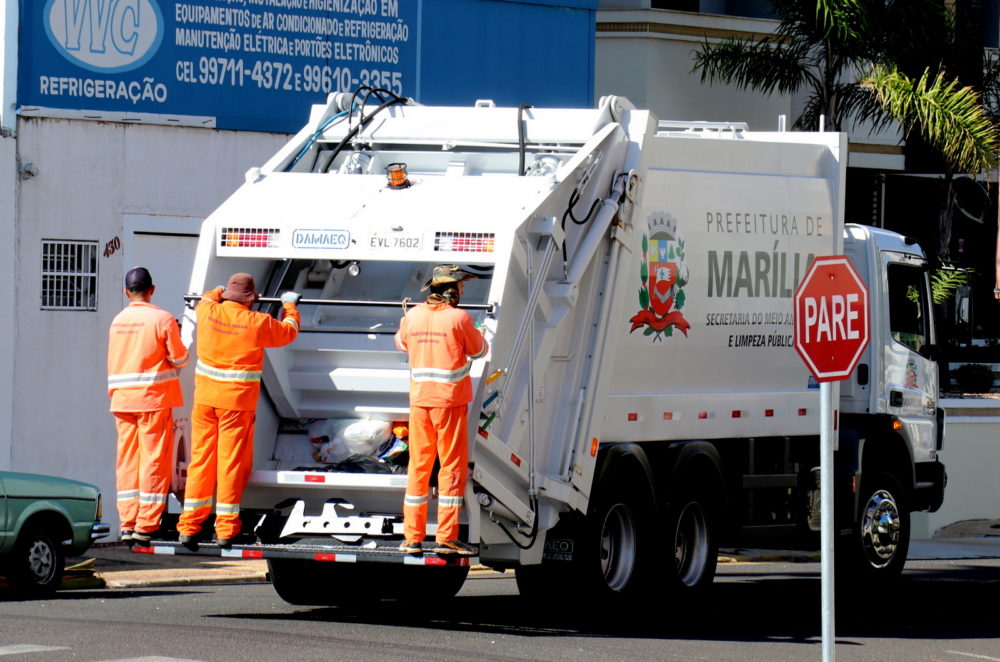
(249, 237)
(464, 242)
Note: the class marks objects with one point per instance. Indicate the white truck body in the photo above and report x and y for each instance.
(636, 284)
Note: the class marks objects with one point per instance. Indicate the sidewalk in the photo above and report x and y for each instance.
(114, 565)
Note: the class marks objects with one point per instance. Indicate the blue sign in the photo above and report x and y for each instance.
(246, 64)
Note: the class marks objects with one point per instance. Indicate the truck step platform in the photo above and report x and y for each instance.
(343, 553)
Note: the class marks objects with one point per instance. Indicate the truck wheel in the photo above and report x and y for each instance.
(692, 539)
(35, 564)
(317, 583)
(877, 547)
(612, 553)
(422, 584)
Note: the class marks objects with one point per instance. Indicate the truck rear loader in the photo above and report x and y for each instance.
(642, 402)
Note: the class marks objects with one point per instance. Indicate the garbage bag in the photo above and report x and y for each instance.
(335, 439)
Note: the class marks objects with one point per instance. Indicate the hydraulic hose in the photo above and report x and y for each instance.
(361, 125)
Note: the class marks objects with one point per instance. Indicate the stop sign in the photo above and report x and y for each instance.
(831, 318)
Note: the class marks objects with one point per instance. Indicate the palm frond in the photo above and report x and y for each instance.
(948, 116)
(833, 17)
(764, 65)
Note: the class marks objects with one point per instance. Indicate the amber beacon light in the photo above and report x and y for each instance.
(396, 172)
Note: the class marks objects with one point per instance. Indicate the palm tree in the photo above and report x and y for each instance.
(857, 65)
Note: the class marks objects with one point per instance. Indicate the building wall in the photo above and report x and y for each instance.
(8, 273)
(647, 57)
(100, 181)
(970, 454)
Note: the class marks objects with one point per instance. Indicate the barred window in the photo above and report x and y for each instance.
(69, 275)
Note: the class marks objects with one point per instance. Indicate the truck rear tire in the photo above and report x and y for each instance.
(318, 583)
(880, 540)
(315, 583)
(691, 538)
(422, 583)
(615, 541)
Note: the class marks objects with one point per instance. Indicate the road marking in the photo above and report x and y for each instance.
(152, 658)
(19, 649)
(978, 657)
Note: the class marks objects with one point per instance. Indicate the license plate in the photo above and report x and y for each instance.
(390, 241)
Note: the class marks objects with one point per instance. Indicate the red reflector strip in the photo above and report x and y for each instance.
(768, 413)
(593, 447)
(484, 434)
(313, 478)
(802, 411)
(632, 416)
(324, 556)
(434, 560)
(737, 413)
(515, 459)
(253, 553)
(703, 414)
(668, 415)
(141, 549)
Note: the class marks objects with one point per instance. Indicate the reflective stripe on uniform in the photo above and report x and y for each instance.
(221, 375)
(410, 500)
(195, 504)
(290, 320)
(439, 375)
(149, 497)
(227, 508)
(125, 495)
(141, 378)
(178, 362)
(451, 501)
(481, 353)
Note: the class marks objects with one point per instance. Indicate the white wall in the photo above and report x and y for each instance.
(8, 273)
(971, 456)
(646, 56)
(98, 181)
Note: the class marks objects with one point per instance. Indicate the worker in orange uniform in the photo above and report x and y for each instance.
(231, 342)
(440, 340)
(145, 354)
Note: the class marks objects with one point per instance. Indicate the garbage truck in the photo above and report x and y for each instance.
(641, 403)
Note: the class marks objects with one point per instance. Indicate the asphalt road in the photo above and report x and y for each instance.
(943, 610)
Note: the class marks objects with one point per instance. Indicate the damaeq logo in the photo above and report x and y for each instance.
(304, 238)
(104, 35)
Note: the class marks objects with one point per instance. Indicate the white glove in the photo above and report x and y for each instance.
(290, 297)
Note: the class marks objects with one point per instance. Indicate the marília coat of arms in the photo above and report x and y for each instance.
(664, 274)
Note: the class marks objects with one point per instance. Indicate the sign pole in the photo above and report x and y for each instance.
(831, 332)
(827, 395)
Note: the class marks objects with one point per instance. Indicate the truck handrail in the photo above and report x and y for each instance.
(488, 307)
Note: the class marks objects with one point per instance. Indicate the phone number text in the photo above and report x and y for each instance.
(277, 75)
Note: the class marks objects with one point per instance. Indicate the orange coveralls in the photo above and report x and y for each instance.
(231, 342)
(145, 353)
(439, 340)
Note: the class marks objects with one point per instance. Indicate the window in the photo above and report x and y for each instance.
(908, 306)
(69, 275)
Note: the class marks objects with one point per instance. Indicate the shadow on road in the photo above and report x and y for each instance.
(956, 602)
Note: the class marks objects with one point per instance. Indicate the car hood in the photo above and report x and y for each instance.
(17, 484)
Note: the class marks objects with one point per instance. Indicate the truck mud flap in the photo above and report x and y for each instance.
(328, 553)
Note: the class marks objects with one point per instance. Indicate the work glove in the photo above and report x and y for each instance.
(290, 297)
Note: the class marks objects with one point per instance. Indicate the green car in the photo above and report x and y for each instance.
(44, 519)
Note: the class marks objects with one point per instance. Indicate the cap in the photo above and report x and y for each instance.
(138, 279)
(447, 273)
(241, 288)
